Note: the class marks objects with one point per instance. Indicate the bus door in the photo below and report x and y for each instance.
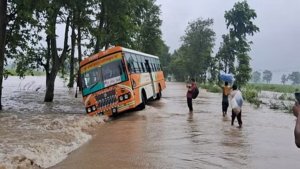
(152, 81)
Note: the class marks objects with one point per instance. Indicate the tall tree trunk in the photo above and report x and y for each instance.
(3, 24)
(79, 52)
(56, 60)
(73, 39)
(50, 80)
(100, 28)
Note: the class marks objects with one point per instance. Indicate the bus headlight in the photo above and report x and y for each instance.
(89, 110)
(94, 108)
(121, 98)
(126, 96)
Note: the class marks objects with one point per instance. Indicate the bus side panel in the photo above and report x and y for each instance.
(135, 81)
(160, 80)
(140, 82)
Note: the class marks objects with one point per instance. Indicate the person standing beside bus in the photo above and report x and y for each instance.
(189, 95)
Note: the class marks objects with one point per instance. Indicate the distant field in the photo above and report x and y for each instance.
(275, 87)
(258, 87)
(35, 73)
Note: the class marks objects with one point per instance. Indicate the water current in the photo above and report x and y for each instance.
(34, 134)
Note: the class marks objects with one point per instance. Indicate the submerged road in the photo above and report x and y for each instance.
(166, 135)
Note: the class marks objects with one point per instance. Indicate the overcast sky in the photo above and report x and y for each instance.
(276, 47)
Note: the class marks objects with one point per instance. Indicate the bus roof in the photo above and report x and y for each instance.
(137, 52)
(110, 51)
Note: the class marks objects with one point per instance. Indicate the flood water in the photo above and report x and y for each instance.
(164, 135)
(34, 134)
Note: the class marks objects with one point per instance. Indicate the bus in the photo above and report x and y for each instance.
(119, 79)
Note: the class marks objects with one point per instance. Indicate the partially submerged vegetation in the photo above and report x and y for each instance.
(282, 98)
(275, 87)
(12, 72)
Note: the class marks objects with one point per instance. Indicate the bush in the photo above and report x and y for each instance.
(250, 94)
(211, 87)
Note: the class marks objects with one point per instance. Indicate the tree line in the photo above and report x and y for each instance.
(29, 33)
(266, 76)
(29, 37)
(195, 57)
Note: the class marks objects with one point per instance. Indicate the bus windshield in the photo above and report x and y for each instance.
(102, 76)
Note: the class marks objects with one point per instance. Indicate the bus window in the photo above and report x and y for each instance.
(112, 70)
(129, 61)
(135, 63)
(142, 66)
(92, 77)
(141, 60)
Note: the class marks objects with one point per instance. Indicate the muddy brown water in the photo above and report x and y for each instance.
(166, 135)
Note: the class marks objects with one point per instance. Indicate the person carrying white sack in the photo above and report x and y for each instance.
(236, 105)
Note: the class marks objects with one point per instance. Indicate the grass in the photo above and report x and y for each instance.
(12, 72)
(211, 87)
(251, 90)
(274, 87)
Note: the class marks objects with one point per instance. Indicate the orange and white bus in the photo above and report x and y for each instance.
(120, 79)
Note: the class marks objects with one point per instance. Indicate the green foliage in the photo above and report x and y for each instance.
(192, 58)
(149, 39)
(256, 76)
(164, 57)
(284, 79)
(239, 20)
(210, 87)
(240, 24)
(267, 76)
(197, 43)
(12, 72)
(250, 94)
(243, 70)
(283, 96)
(294, 77)
(275, 87)
(226, 55)
(178, 65)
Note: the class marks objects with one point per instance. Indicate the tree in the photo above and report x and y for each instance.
(267, 76)
(178, 65)
(294, 77)
(47, 15)
(15, 33)
(164, 57)
(240, 24)
(149, 34)
(198, 42)
(213, 70)
(284, 79)
(117, 22)
(256, 76)
(226, 55)
(3, 24)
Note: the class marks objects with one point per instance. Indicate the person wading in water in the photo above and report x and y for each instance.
(225, 103)
(189, 95)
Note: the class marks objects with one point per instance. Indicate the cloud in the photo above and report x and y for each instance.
(275, 46)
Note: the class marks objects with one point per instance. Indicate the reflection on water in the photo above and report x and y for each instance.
(35, 134)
